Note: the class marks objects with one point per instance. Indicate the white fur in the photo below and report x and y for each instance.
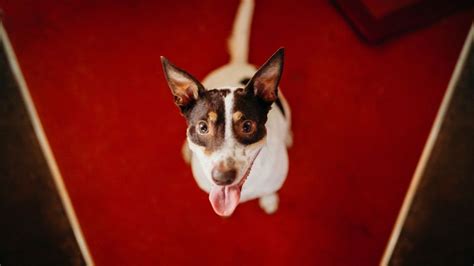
(269, 156)
(269, 203)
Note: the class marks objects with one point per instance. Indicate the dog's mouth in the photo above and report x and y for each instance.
(224, 199)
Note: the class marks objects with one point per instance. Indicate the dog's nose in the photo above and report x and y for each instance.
(223, 177)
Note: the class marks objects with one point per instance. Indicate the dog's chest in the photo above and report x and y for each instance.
(270, 169)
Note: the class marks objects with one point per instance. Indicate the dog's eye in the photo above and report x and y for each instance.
(248, 126)
(202, 127)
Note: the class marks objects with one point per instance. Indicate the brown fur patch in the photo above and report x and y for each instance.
(209, 107)
(212, 116)
(250, 107)
(237, 116)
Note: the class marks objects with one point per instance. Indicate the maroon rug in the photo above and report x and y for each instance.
(361, 117)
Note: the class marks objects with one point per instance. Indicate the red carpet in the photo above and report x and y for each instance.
(361, 117)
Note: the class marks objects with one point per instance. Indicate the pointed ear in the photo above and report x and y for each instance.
(265, 82)
(185, 88)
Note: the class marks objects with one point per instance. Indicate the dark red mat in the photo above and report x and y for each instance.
(361, 117)
(376, 21)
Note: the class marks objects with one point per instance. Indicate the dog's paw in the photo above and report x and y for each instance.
(289, 139)
(269, 203)
(186, 152)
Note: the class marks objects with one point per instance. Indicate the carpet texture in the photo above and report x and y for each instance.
(361, 116)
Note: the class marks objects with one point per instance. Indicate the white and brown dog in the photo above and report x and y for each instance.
(238, 124)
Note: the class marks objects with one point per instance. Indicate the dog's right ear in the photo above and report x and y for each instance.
(265, 82)
(185, 88)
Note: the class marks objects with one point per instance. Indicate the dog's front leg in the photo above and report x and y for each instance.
(289, 139)
(269, 203)
(186, 152)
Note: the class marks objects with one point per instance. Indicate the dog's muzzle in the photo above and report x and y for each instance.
(223, 176)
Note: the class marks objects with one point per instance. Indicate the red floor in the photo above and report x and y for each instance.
(361, 117)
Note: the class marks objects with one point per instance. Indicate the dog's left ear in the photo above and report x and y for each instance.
(265, 82)
(185, 88)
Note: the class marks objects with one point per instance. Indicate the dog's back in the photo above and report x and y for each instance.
(238, 69)
(236, 74)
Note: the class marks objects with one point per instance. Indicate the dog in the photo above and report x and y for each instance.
(239, 124)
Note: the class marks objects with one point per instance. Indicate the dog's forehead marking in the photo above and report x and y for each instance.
(237, 116)
(214, 106)
(212, 116)
(228, 107)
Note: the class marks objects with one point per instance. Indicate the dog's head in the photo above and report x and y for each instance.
(226, 126)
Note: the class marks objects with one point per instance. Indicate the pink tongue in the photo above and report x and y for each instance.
(224, 199)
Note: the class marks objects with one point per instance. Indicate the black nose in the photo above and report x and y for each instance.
(223, 177)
